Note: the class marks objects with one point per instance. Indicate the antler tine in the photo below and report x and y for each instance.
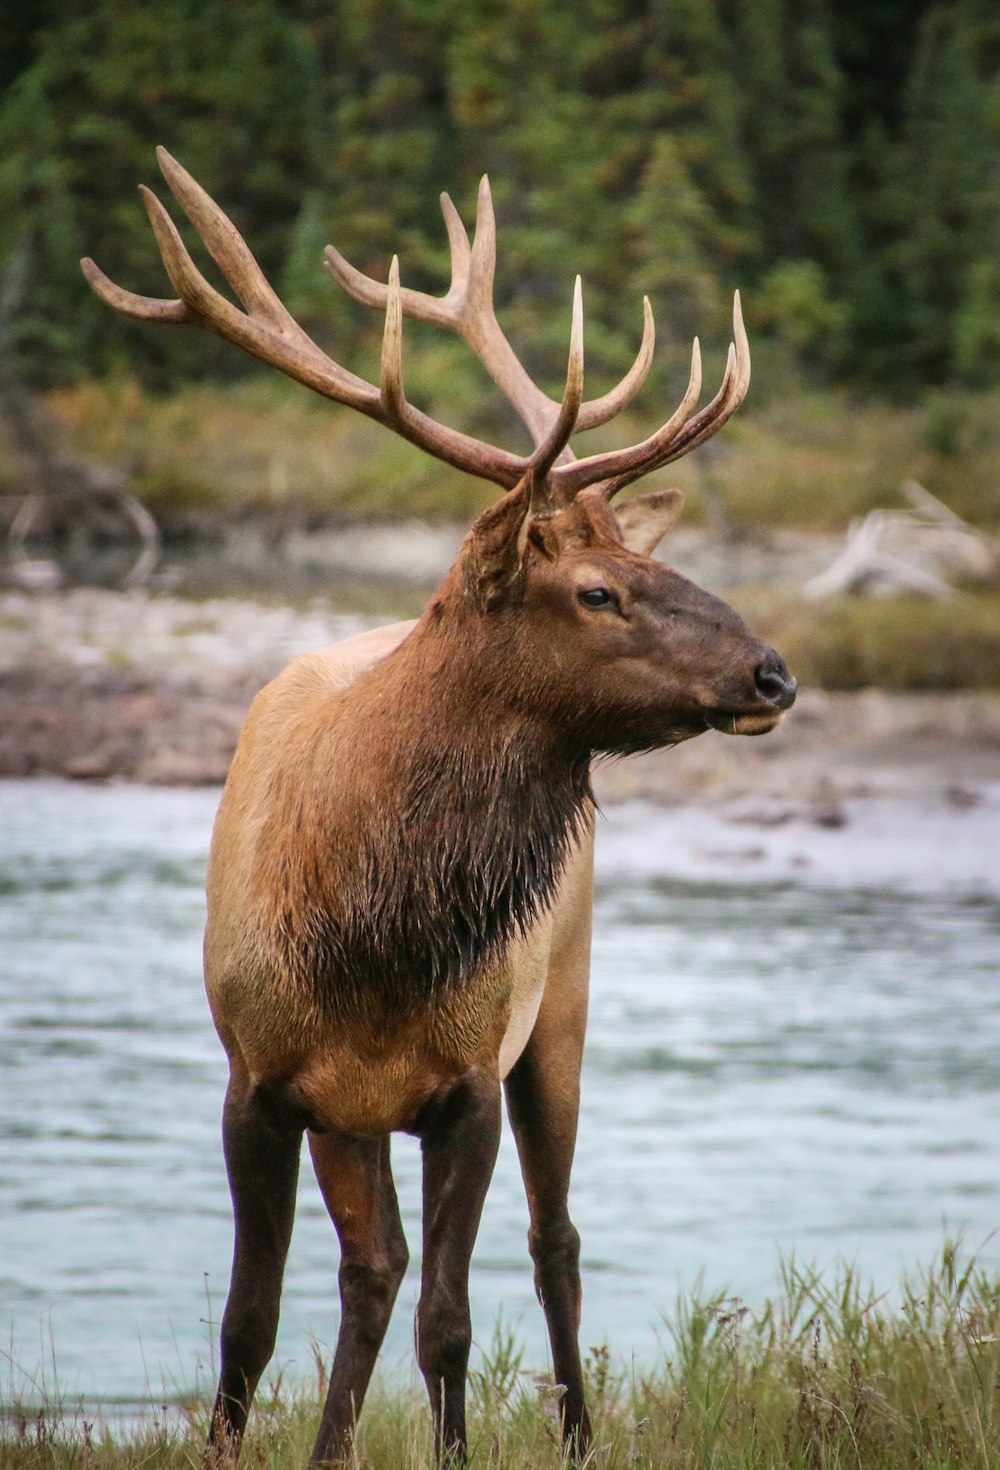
(548, 452)
(731, 394)
(735, 383)
(483, 259)
(357, 285)
(461, 250)
(391, 382)
(680, 434)
(130, 303)
(416, 304)
(712, 417)
(600, 410)
(224, 243)
(442, 311)
(615, 465)
(201, 299)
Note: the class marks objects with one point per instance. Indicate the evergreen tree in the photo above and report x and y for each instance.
(235, 103)
(951, 148)
(837, 158)
(689, 81)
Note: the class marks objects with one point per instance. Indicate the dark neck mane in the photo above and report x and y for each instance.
(456, 844)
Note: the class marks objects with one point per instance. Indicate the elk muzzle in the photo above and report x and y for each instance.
(774, 692)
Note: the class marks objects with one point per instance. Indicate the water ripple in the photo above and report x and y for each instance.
(768, 1066)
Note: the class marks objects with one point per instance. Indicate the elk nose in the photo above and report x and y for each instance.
(774, 681)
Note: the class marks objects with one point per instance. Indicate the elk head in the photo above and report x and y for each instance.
(622, 651)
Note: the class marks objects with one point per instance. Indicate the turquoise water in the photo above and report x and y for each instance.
(774, 1066)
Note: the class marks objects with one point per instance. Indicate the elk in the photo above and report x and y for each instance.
(401, 869)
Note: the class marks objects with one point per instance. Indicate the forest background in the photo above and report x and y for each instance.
(838, 160)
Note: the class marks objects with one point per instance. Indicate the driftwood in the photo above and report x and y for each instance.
(923, 551)
(66, 502)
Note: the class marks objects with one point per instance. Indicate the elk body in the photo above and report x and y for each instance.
(401, 871)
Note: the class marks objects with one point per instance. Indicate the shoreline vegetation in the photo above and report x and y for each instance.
(153, 688)
(793, 457)
(827, 1375)
(309, 519)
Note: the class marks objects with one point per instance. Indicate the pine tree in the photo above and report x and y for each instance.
(791, 120)
(951, 146)
(235, 103)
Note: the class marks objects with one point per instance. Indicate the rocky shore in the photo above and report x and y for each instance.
(99, 686)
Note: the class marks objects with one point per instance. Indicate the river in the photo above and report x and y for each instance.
(792, 1052)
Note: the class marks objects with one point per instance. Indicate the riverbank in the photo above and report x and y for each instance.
(825, 1376)
(98, 685)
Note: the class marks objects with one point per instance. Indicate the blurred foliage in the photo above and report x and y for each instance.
(811, 461)
(838, 160)
(886, 643)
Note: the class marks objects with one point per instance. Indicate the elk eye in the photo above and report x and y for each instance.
(596, 597)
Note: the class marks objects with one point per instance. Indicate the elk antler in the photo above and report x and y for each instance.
(266, 330)
(681, 433)
(468, 309)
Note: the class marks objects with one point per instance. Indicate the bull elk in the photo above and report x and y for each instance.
(399, 892)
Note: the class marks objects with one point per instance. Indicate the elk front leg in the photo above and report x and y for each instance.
(542, 1100)
(262, 1145)
(356, 1181)
(460, 1136)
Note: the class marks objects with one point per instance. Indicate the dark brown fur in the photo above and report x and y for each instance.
(464, 855)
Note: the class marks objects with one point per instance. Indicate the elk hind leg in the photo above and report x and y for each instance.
(542, 1103)
(356, 1182)
(262, 1141)
(460, 1135)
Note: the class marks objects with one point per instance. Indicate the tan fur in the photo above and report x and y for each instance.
(345, 1077)
(320, 764)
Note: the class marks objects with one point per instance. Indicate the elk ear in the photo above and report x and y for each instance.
(645, 521)
(491, 555)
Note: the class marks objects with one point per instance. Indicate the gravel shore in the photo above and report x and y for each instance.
(98, 685)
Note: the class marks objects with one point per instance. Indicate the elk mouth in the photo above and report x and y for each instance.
(743, 722)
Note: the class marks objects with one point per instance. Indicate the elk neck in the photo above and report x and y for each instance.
(451, 804)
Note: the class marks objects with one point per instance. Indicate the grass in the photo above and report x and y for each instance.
(817, 460)
(888, 643)
(810, 460)
(257, 446)
(827, 1377)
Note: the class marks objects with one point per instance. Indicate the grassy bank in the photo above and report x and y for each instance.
(209, 457)
(898, 643)
(825, 1377)
(808, 460)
